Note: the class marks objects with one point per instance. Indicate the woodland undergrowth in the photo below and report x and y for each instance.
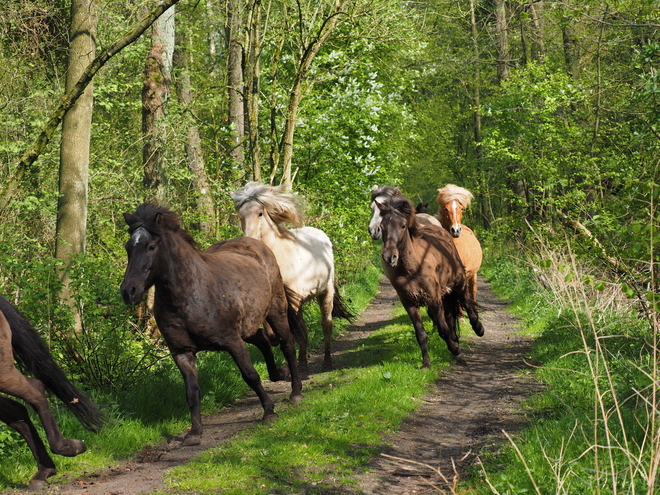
(595, 427)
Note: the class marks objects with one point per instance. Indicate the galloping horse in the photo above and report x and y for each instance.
(424, 268)
(452, 200)
(18, 339)
(382, 193)
(209, 300)
(304, 254)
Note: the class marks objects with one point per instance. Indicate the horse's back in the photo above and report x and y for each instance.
(247, 254)
(306, 261)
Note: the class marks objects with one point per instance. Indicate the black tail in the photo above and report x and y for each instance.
(294, 315)
(31, 352)
(339, 307)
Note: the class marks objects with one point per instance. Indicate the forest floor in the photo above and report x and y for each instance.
(463, 415)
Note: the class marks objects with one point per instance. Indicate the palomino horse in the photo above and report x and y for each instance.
(209, 300)
(424, 268)
(452, 200)
(382, 193)
(304, 254)
(19, 340)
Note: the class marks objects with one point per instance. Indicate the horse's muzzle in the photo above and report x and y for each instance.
(455, 231)
(391, 259)
(131, 295)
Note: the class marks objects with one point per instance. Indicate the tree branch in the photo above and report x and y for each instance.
(9, 188)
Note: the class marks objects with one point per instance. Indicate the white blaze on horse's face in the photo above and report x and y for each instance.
(454, 212)
(374, 225)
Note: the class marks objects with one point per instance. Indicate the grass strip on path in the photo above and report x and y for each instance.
(320, 443)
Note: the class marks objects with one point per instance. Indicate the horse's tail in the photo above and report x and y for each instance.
(340, 308)
(294, 315)
(32, 354)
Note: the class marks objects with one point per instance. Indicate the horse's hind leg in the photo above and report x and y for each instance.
(325, 303)
(241, 357)
(280, 326)
(263, 343)
(420, 334)
(445, 320)
(32, 391)
(16, 416)
(475, 323)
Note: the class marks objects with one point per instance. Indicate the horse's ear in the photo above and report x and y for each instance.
(160, 219)
(128, 217)
(381, 206)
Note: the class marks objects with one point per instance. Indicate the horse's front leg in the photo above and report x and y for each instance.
(187, 364)
(16, 416)
(420, 333)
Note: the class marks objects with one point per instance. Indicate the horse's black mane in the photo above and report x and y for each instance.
(403, 206)
(156, 219)
(387, 191)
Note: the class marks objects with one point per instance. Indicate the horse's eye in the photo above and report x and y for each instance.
(151, 247)
(403, 227)
(261, 213)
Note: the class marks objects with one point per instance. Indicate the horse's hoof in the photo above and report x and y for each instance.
(37, 485)
(327, 366)
(268, 417)
(191, 440)
(460, 360)
(295, 398)
(284, 373)
(71, 448)
(479, 329)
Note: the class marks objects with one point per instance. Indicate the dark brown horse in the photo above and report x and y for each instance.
(210, 300)
(424, 268)
(19, 340)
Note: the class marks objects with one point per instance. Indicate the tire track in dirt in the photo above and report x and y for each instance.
(462, 414)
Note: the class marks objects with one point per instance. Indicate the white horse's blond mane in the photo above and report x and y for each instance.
(451, 192)
(281, 207)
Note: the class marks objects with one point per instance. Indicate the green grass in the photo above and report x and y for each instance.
(324, 441)
(588, 429)
(139, 420)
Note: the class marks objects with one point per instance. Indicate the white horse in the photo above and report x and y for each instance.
(381, 194)
(304, 254)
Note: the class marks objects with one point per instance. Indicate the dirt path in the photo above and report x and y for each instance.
(463, 414)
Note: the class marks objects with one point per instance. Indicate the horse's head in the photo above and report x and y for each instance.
(379, 194)
(452, 200)
(422, 208)
(146, 227)
(397, 225)
(264, 209)
(255, 220)
(451, 217)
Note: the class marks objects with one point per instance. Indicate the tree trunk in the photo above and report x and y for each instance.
(252, 69)
(502, 40)
(9, 187)
(478, 147)
(235, 85)
(571, 56)
(157, 78)
(328, 25)
(538, 46)
(74, 151)
(193, 144)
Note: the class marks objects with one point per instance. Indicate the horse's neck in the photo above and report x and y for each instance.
(277, 235)
(181, 265)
